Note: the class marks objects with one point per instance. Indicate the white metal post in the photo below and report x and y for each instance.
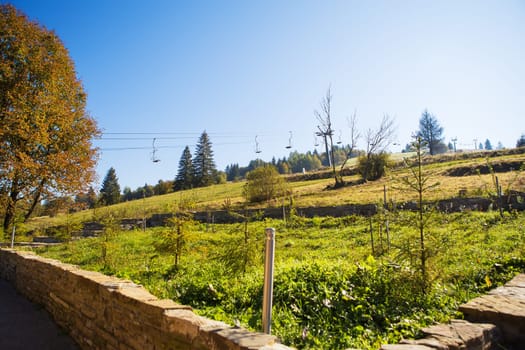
(268, 281)
(13, 237)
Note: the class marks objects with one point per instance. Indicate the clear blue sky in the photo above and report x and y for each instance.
(238, 69)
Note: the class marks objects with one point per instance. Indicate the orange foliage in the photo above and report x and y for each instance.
(45, 133)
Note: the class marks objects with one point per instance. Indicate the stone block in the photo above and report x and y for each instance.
(460, 334)
(504, 307)
(405, 347)
(184, 324)
(237, 338)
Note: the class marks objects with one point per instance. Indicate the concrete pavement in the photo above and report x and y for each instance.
(27, 326)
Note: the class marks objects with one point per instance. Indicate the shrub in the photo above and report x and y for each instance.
(264, 184)
(374, 166)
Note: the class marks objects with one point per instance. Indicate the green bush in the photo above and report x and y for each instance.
(264, 184)
(373, 167)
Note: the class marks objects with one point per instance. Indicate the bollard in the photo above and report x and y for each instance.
(268, 281)
(13, 237)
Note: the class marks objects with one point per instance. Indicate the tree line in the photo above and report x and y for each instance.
(197, 170)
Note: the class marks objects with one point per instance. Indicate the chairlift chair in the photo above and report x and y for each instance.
(316, 142)
(154, 159)
(289, 141)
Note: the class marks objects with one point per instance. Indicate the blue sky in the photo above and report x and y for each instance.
(241, 69)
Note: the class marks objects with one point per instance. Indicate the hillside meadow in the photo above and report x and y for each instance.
(305, 193)
(331, 291)
(340, 283)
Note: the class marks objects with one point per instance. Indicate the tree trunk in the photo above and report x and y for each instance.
(36, 199)
(10, 209)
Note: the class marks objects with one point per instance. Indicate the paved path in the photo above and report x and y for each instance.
(27, 326)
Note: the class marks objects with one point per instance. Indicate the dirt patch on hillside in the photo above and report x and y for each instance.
(501, 167)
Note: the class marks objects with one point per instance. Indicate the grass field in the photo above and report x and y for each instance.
(314, 192)
(340, 282)
(331, 290)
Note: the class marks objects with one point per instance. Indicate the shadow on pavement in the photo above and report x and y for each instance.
(26, 326)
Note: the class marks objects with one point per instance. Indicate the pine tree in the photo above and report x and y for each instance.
(233, 172)
(203, 163)
(91, 197)
(430, 131)
(86, 200)
(184, 178)
(521, 141)
(110, 191)
(488, 145)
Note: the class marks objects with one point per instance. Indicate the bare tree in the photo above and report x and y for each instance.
(378, 140)
(354, 136)
(326, 131)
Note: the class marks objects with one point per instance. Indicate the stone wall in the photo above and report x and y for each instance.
(103, 312)
(492, 321)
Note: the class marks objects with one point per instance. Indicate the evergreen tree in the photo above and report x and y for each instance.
(110, 191)
(184, 178)
(488, 145)
(521, 141)
(91, 197)
(127, 194)
(203, 163)
(233, 172)
(430, 131)
(149, 191)
(86, 200)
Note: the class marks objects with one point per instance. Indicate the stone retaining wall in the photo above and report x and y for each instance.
(492, 321)
(103, 312)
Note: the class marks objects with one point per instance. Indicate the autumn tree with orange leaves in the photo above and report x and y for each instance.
(45, 133)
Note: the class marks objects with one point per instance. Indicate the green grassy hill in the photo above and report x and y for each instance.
(348, 282)
(311, 189)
